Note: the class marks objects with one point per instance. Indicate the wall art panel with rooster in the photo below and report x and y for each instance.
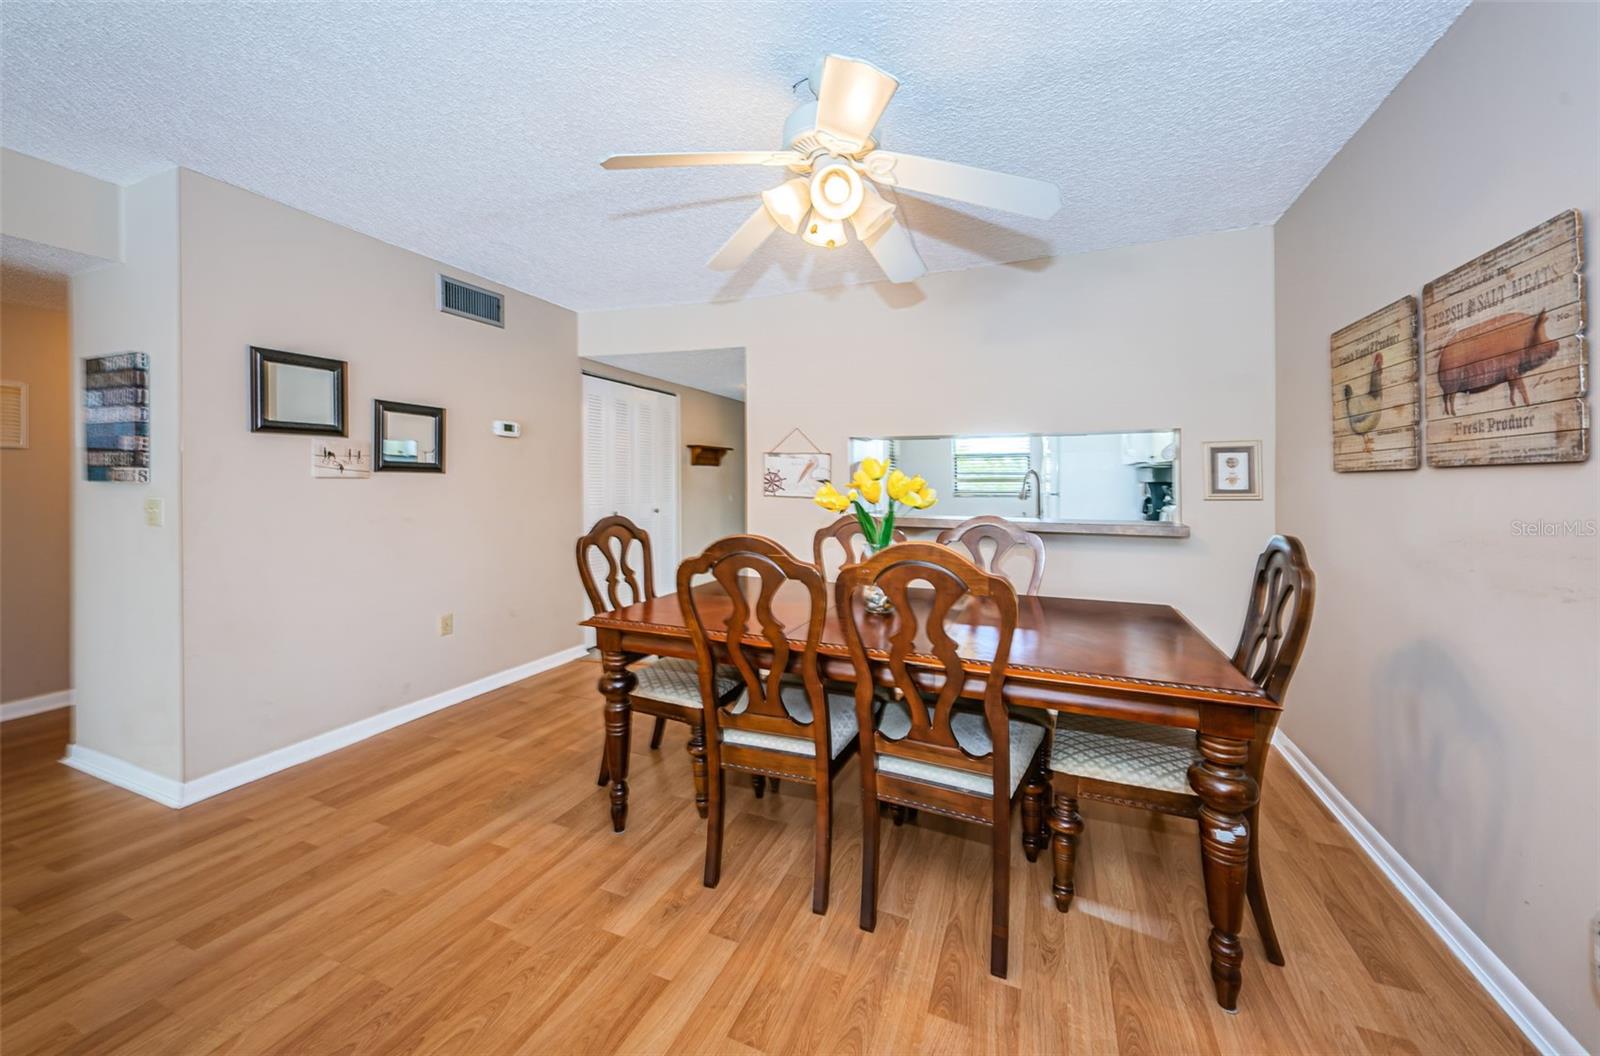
(1377, 403)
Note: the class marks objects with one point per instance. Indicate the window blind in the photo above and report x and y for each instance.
(991, 466)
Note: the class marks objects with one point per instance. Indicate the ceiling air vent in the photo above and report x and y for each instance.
(471, 302)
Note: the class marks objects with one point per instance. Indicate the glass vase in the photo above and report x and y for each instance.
(877, 601)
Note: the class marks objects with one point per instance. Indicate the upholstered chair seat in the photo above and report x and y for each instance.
(842, 724)
(971, 731)
(678, 682)
(1125, 753)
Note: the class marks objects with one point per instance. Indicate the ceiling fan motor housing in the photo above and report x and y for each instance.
(801, 135)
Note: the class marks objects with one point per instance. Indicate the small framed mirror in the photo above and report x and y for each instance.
(291, 393)
(407, 436)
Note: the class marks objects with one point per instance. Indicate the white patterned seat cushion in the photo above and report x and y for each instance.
(1127, 753)
(971, 731)
(677, 681)
(842, 725)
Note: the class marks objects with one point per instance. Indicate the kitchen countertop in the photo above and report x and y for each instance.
(1148, 529)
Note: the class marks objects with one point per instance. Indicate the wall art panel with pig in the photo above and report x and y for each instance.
(1506, 367)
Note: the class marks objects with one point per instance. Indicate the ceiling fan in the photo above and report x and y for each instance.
(831, 145)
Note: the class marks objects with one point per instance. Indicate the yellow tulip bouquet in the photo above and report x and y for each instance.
(876, 491)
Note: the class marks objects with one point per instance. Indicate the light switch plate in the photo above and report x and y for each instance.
(447, 624)
(155, 513)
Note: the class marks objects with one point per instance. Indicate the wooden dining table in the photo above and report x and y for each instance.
(1127, 660)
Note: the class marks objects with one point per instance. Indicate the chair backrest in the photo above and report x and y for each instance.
(974, 531)
(1282, 596)
(931, 698)
(614, 537)
(751, 570)
(846, 531)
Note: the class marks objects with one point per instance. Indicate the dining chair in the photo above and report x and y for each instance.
(785, 724)
(845, 531)
(973, 532)
(945, 743)
(1146, 766)
(668, 688)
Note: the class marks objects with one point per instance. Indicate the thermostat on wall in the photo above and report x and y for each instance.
(507, 428)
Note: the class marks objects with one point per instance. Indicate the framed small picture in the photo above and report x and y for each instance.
(1233, 470)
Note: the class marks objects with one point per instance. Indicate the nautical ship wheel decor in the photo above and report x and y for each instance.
(795, 474)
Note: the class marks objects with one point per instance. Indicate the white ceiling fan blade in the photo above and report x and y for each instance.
(744, 242)
(713, 157)
(891, 247)
(964, 183)
(851, 97)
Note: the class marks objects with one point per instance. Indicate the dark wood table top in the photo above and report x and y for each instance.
(1073, 643)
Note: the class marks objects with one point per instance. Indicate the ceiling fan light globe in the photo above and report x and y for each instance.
(824, 233)
(788, 203)
(836, 189)
(875, 213)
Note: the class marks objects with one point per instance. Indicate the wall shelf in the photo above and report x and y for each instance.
(706, 454)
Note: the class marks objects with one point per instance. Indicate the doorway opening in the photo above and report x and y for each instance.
(708, 386)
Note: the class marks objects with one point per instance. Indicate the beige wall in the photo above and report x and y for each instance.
(36, 507)
(60, 208)
(1177, 334)
(713, 496)
(1450, 686)
(127, 616)
(312, 603)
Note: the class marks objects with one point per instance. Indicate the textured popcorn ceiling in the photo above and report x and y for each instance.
(472, 132)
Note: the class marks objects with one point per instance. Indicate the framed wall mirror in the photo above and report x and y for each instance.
(407, 436)
(292, 393)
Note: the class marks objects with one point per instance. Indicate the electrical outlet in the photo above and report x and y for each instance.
(447, 624)
(155, 513)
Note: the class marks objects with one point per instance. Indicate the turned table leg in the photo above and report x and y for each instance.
(616, 683)
(1066, 825)
(1226, 794)
(1034, 790)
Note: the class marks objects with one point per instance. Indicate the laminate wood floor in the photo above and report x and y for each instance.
(453, 886)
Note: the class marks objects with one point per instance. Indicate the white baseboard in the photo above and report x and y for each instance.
(108, 768)
(182, 794)
(17, 709)
(1542, 1029)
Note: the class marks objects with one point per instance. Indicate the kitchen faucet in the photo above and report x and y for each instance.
(1038, 493)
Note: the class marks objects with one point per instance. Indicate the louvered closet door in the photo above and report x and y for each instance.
(656, 463)
(630, 466)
